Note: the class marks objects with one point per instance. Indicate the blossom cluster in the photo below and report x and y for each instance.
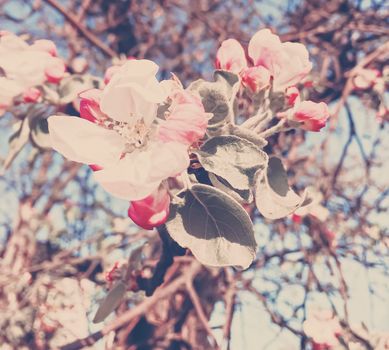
(284, 65)
(24, 67)
(137, 133)
(133, 150)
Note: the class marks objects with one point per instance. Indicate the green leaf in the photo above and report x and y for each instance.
(214, 227)
(39, 129)
(241, 196)
(273, 196)
(247, 134)
(228, 79)
(218, 96)
(39, 135)
(72, 85)
(234, 159)
(110, 302)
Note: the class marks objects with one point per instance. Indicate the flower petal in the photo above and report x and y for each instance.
(84, 142)
(139, 173)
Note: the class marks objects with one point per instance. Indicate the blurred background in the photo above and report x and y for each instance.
(60, 234)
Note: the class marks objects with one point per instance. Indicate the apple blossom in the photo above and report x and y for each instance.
(118, 133)
(292, 96)
(323, 328)
(287, 62)
(151, 211)
(312, 115)
(26, 66)
(256, 78)
(231, 56)
(365, 78)
(31, 95)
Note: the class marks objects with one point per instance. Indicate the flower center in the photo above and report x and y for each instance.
(136, 135)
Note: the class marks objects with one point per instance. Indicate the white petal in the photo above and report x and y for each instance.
(129, 179)
(84, 142)
(134, 71)
(141, 172)
(120, 102)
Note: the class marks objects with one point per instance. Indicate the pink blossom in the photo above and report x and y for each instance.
(323, 328)
(31, 95)
(118, 134)
(187, 121)
(231, 56)
(256, 78)
(151, 211)
(312, 115)
(365, 78)
(292, 96)
(55, 71)
(28, 66)
(287, 62)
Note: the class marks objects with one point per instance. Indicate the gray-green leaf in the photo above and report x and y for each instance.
(72, 85)
(218, 96)
(110, 302)
(234, 159)
(273, 196)
(214, 227)
(16, 143)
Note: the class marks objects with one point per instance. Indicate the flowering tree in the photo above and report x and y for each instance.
(178, 193)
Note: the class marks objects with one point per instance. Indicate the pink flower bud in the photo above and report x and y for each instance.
(55, 71)
(151, 211)
(292, 96)
(313, 115)
(231, 56)
(256, 78)
(31, 95)
(45, 45)
(90, 105)
(297, 219)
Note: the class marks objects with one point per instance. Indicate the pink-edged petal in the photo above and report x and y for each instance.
(55, 70)
(130, 102)
(231, 56)
(84, 142)
(31, 95)
(264, 49)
